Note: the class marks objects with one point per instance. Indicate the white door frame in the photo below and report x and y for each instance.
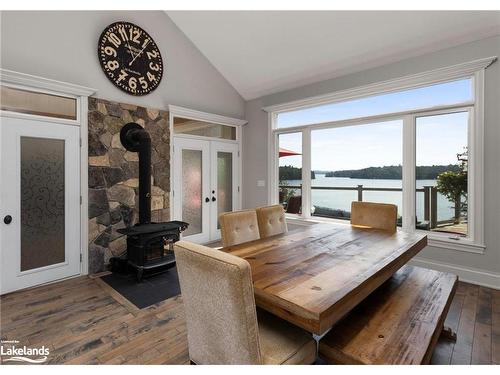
(176, 111)
(80, 93)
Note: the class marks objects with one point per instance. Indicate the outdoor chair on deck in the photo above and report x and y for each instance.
(294, 205)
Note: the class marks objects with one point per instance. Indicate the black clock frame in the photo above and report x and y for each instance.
(145, 57)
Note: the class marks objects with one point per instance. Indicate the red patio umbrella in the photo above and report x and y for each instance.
(285, 152)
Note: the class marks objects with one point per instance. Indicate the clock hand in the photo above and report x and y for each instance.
(130, 50)
(136, 56)
(128, 44)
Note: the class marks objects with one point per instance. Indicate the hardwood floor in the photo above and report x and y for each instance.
(475, 316)
(82, 321)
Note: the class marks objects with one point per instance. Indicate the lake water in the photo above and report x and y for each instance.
(338, 199)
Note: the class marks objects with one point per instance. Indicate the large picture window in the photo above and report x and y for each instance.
(441, 172)
(357, 162)
(419, 148)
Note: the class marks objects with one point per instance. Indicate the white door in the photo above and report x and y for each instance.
(205, 184)
(224, 183)
(191, 183)
(39, 202)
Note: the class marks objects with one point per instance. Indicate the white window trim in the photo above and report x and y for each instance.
(80, 93)
(474, 243)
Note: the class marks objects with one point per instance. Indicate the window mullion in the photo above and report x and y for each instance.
(273, 164)
(476, 163)
(408, 171)
(306, 173)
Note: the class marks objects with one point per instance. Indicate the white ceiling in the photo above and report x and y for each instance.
(261, 53)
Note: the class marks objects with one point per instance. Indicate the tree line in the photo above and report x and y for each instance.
(289, 172)
(394, 172)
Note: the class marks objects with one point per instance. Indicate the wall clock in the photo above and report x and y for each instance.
(130, 58)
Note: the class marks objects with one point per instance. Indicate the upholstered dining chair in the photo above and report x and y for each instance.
(374, 215)
(223, 326)
(271, 220)
(238, 227)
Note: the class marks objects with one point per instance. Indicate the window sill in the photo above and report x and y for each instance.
(464, 245)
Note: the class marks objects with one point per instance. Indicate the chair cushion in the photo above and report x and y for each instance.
(284, 343)
(271, 220)
(238, 227)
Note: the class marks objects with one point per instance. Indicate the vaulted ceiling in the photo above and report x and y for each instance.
(265, 52)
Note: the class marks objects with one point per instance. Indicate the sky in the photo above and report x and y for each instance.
(439, 138)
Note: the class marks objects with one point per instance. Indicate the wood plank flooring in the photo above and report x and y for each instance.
(82, 321)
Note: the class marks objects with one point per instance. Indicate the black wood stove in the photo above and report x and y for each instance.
(149, 245)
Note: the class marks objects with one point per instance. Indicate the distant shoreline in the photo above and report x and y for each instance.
(391, 172)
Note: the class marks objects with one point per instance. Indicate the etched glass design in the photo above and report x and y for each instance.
(42, 202)
(192, 191)
(224, 183)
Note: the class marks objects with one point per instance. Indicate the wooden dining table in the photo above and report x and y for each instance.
(312, 277)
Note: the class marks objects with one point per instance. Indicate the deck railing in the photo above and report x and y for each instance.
(430, 199)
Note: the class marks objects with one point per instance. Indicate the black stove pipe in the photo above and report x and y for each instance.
(135, 138)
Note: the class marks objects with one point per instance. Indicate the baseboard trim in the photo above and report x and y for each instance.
(467, 274)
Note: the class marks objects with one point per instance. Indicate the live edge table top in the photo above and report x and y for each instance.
(313, 277)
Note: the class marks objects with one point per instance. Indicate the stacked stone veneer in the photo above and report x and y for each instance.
(114, 173)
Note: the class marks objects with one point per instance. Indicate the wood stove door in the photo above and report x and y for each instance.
(39, 202)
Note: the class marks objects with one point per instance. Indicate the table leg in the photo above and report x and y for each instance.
(449, 334)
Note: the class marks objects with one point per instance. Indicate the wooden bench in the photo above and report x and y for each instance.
(399, 323)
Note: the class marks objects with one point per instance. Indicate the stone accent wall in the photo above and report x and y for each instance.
(114, 172)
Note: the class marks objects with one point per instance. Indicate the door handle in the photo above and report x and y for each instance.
(207, 200)
(213, 199)
(8, 219)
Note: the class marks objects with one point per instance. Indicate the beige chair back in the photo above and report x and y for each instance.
(271, 220)
(238, 227)
(374, 215)
(218, 298)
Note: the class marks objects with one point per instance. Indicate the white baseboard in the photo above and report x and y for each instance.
(467, 274)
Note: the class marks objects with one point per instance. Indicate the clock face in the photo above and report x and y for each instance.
(130, 58)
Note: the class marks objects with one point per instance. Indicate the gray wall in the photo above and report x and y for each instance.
(63, 46)
(256, 153)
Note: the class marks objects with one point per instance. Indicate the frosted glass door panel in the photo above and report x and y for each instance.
(42, 202)
(192, 190)
(224, 183)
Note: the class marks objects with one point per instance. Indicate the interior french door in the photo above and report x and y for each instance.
(205, 185)
(39, 202)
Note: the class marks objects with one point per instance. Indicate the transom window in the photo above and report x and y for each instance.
(418, 148)
(448, 93)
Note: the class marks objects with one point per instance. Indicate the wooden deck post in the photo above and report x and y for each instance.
(433, 218)
(360, 193)
(427, 196)
(458, 205)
